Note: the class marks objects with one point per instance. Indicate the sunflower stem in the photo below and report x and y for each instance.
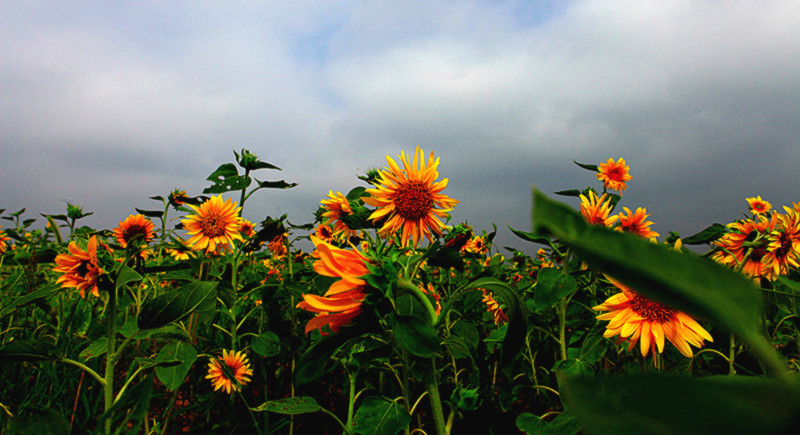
(404, 284)
(436, 402)
(731, 355)
(108, 388)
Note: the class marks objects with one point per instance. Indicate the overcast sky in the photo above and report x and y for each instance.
(106, 103)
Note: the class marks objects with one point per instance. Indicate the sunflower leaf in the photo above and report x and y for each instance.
(290, 405)
(708, 235)
(515, 310)
(681, 280)
(175, 305)
(592, 168)
(677, 404)
(226, 178)
(416, 336)
(379, 416)
(172, 377)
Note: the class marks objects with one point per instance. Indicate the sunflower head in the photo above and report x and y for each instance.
(3, 240)
(636, 223)
(134, 227)
(758, 207)
(410, 198)
(596, 210)
(214, 226)
(614, 174)
(334, 208)
(230, 372)
(80, 268)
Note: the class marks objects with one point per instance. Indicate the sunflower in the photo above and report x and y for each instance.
(614, 175)
(278, 245)
(783, 245)
(238, 366)
(410, 198)
(3, 239)
(79, 268)
(758, 206)
(247, 228)
(215, 224)
(342, 302)
(494, 308)
(745, 246)
(596, 210)
(324, 233)
(177, 198)
(337, 206)
(636, 223)
(635, 318)
(134, 226)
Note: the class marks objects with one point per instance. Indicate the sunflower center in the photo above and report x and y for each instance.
(83, 269)
(651, 310)
(615, 173)
(413, 200)
(133, 231)
(213, 224)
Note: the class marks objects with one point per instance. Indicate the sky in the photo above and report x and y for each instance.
(104, 104)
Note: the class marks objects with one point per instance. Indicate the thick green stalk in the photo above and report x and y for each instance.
(108, 388)
(436, 402)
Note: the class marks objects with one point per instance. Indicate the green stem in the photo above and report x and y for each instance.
(436, 402)
(108, 387)
(731, 355)
(352, 399)
(402, 283)
(562, 340)
(85, 368)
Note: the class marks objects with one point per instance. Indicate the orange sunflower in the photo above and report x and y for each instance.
(635, 318)
(3, 239)
(342, 302)
(133, 226)
(215, 224)
(783, 245)
(239, 367)
(247, 228)
(494, 308)
(336, 206)
(324, 233)
(79, 268)
(596, 210)
(747, 242)
(410, 198)
(636, 223)
(614, 174)
(758, 206)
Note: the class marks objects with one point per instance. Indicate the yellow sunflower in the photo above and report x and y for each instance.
(214, 225)
(3, 239)
(247, 228)
(596, 210)
(493, 307)
(336, 206)
(614, 174)
(635, 318)
(636, 223)
(133, 226)
(758, 206)
(410, 198)
(342, 302)
(79, 268)
(239, 367)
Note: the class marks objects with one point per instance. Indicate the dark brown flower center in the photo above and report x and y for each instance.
(651, 310)
(213, 224)
(413, 200)
(133, 231)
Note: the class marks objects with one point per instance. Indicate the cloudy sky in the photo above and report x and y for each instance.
(106, 103)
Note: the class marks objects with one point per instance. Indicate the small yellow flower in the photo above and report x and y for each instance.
(614, 174)
(239, 367)
(758, 206)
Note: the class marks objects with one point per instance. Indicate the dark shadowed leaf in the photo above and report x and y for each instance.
(175, 305)
(379, 416)
(706, 236)
(172, 377)
(416, 336)
(290, 405)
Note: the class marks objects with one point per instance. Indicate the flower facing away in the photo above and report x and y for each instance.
(79, 268)
(745, 246)
(237, 363)
(337, 206)
(278, 245)
(596, 210)
(635, 318)
(134, 226)
(342, 302)
(214, 225)
(783, 245)
(3, 239)
(614, 174)
(636, 223)
(410, 198)
(494, 308)
(758, 206)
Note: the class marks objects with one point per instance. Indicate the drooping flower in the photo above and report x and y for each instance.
(431, 291)
(336, 206)
(596, 210)
(79, 268)
(278, 245)
(744, 247)
(636, 223)
(493, 307)
(476, 245)
(214, 225)
(177, 198)
(758, 206)
(134, 226)
(614, 174)
(342, 302)
(635, 318)
(410, 198)
(239, 367)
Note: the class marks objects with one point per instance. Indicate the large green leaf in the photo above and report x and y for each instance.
(416, 336)
(552, 285)
(45, 292)
(175, 305)
(378, 416)
(226, 178)
(18, 351)
(290, 405)
(682, 280)
(172, 377)
(662, 404)
(266, 344)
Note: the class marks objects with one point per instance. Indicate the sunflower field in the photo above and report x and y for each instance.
(187, 318)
